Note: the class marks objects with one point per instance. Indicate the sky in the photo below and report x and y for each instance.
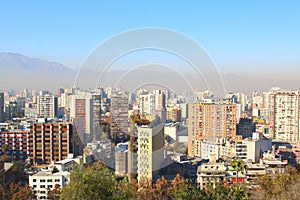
(242, 37)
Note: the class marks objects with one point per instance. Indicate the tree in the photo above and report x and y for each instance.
(279, 186)
(94, 182)
(55, 193)
(4, 150)
(15, 191)
(238, 166)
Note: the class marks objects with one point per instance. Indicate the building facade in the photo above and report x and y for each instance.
(211, 121)
(119, 114)
(47, 178)
(47, 106)
(81, 112)
(53, 142)
(18, 144)
(284, 120)
(2, 116)
(150, 150)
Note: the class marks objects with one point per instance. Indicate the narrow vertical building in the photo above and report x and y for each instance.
(2, 116)
(119, 125)
(81, 112)
(150, 150)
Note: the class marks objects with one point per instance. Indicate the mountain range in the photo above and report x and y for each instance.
(18, 72)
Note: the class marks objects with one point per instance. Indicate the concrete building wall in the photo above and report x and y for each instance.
(2, 116)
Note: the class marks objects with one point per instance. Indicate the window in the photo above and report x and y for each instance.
(56, 180)
(34, 180)
(34, 186)
(49, 180)
(43, 192)
(50, 186)
(42, 180)
(43, 186)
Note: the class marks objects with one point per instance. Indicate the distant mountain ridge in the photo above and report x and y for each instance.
(19, 61)
(18, 72)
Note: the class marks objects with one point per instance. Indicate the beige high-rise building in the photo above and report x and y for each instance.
(211, 120)
(284, 119)
(150, 150)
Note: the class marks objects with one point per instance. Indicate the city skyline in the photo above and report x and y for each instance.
(150, 100)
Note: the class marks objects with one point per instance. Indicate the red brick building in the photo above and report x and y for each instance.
(18, 144)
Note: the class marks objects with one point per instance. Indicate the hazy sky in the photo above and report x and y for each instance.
(241, 37)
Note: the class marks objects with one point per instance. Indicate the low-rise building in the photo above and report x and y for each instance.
(210, 173)
(18, 144)
(253, 172)
(47, 178)
(252, 148)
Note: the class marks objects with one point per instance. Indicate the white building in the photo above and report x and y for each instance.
(47, 106)
(284, 123)
(252, 149)
(121, 159)
(47, 178)
(209, 148)
(172, 130)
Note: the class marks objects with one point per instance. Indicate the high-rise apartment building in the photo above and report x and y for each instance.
(119, 114)
(2, 116)
(53, 142)
(147, 104)
(150, 150)
(47, 106)
(153, 104)
(211, 120)
(284, 116)
(174, 114)
(81, 112)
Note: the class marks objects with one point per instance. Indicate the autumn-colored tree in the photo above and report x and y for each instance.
(4, 149)
(280, 186)
(26, 193)
(54, 194)
(15, 191)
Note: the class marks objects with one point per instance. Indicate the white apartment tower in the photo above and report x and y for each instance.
(47, 106)
(284, 119)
